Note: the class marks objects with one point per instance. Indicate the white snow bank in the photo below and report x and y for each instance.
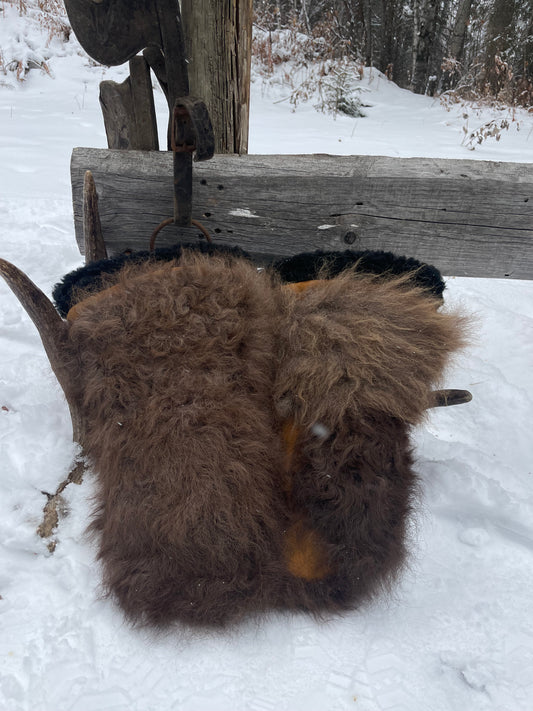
(458, 632)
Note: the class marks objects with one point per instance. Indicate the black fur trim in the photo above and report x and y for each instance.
(307, 266)
(300, 267)
(64, 293)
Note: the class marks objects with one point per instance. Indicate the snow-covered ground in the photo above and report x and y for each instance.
(458, 633)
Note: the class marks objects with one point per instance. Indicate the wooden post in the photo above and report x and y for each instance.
(128, 110)
(218, 37)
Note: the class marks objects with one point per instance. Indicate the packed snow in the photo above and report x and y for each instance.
(458, 631)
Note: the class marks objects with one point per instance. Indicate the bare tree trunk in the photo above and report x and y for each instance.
(455, 49)
(304, 16)
(414, 45)
(499, 40)
(218, 37)
(369, 44)
(524, 64)
(458, 34)
(389, 31)
(424, 36)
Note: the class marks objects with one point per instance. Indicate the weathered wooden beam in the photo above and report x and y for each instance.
(143, 105)
(115, 102)
(218, 38)
(128, 109)
(469, 218)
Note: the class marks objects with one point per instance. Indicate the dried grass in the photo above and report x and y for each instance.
(50, 17)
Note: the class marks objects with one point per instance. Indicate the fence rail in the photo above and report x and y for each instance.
(469, 218)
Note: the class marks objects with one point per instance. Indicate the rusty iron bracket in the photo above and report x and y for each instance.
(190, 132)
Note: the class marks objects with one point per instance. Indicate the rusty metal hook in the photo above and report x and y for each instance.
(170, 221)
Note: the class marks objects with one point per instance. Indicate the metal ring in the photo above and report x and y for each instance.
(169, 221)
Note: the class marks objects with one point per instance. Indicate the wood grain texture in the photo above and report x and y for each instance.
(128, 110)
(469, 218)
(218, 39)
(117, 111)
(143, 105)
(113, 32)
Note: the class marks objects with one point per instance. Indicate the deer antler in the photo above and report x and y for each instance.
(54, 334)
(444, 398)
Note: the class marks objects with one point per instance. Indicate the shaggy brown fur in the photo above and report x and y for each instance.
(191, 382)
(358, 358)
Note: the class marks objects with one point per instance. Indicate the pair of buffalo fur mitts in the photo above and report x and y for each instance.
(249, 435)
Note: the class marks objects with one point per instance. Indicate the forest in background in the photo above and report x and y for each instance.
(476, 49)
(473, 50)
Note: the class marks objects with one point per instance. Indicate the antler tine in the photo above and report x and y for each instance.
(52, 330)
(95, 248)
(50, 325)
(444, 398)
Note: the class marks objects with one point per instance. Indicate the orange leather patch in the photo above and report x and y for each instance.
(290, 433)
(299, 286)
(305, 554)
